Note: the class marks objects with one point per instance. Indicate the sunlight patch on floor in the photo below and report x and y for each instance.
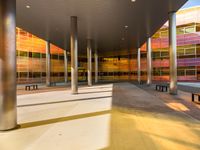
(177, 106)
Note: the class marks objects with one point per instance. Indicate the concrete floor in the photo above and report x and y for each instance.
(118, 116)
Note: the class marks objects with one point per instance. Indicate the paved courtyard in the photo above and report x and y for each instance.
(119, 116)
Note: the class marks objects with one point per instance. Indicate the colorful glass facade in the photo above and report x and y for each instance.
(188, 53)
(31, 59)
(120, 66)
(188, 47)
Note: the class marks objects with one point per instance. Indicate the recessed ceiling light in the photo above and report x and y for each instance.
(133, 0)
(28, 6)
(126, 26)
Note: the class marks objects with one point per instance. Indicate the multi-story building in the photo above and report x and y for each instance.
(31, 59)
(188, 47)
(122, 65)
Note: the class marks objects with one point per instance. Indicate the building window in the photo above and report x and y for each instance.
(23, 54)
(36, 55)
(190, 72)
(190, 51)
(186, 51)
(180, 31)
(23, 74)
(156, 55)
(190, 29)
(164, 33)
(180, 52)
(164, 54)
(181, 72)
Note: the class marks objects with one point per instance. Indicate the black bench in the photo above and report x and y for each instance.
(162, 87)
(34, 87)
(195, 94)
(141, 82)
(53, 84)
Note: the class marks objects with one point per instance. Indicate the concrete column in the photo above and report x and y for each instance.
(172, 53)
(66, 65)
(149, 62)
(48, 64)
(96, 65)
(89, 64)
(8, 111)
(139, 66)
(74, 54)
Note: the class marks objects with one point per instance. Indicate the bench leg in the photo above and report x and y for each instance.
(161, 89)
(198, 98)
(192, 97)
(29, 88)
